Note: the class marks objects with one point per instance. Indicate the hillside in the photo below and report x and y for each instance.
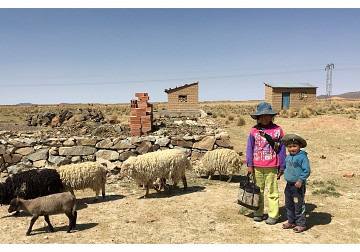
(348, 95)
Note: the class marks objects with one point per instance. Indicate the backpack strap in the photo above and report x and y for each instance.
(274, 143)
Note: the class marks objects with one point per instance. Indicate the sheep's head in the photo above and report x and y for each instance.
(199, 169)
(14, 204)
(127, 167)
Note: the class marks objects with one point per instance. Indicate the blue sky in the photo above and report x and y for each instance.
(50, 56)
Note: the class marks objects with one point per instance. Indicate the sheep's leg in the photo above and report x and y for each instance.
(33, 219)
(162, 183)
(46, 217)
(147, 190)
(103, 190)
(184, 182)
(230, 177)
(74, 218)
(71, 190)
(71, 221)
(157, 189)
(97, 192)
(168, 188)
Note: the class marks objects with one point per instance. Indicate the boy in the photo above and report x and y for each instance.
(296, 172)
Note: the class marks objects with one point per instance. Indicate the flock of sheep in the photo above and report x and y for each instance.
(49, 191)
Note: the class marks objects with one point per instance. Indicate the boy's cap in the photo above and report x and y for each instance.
(263, 108)
(288, 138)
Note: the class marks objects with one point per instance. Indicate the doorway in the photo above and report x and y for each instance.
(285, 104)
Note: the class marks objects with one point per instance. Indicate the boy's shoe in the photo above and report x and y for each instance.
(298, 229)
(287, 225)
(271, 221)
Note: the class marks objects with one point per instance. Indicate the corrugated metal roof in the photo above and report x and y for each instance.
(176, 88)
(290, 85)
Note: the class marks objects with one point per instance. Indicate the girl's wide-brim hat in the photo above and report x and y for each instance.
(289, 138)
(263, 108)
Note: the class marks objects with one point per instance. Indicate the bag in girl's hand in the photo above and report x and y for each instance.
(249, 194)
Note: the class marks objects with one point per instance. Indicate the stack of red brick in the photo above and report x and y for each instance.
(141, 115)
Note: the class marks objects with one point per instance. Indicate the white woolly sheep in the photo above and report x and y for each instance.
(83, 175)
(166, 164)
(223, 161)
(47, 205)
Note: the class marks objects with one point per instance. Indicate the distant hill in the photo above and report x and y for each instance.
(25, 104)
(349, 95)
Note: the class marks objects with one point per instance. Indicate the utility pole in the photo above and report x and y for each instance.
(328, 70)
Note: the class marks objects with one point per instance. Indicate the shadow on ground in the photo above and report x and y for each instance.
(174, 192)
(84, 202)
(13, 215)
(64, 228)
(312, 218)
(224, 178)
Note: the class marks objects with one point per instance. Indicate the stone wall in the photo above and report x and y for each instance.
(25, 151)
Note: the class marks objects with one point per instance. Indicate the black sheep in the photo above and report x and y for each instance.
(30, 184)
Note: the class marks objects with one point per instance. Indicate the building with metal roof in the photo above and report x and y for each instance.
(290, 95)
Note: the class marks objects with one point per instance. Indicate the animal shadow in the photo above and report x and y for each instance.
(13, 215)
(84, 202)
(79, 227)
(234, 179)
(174, 192)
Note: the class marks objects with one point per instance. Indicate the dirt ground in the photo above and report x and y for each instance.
(208, 213)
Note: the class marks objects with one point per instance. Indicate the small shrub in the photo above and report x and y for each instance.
(291, 113)
(283, 113)
(332, 182)
(330, 189)
(306, 112)
(321, 183)
(240, 121)
(352, 116)
(326, 192)
(230, 117)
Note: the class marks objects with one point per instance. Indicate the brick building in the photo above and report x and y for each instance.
(184, 97)
(290, 95)
(183, 100)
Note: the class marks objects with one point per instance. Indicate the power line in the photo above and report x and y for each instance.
(158, 80)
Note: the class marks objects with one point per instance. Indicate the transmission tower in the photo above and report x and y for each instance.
(328, 70)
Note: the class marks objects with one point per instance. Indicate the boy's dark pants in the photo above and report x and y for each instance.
(295, 204)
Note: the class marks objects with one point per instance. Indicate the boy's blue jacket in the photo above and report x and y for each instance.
(297, 167)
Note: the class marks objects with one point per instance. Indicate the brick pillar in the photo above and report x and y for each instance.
(141, 115)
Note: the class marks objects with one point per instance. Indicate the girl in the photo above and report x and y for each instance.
(265, 159)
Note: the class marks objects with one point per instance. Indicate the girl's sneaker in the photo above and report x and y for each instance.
(271, 221)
